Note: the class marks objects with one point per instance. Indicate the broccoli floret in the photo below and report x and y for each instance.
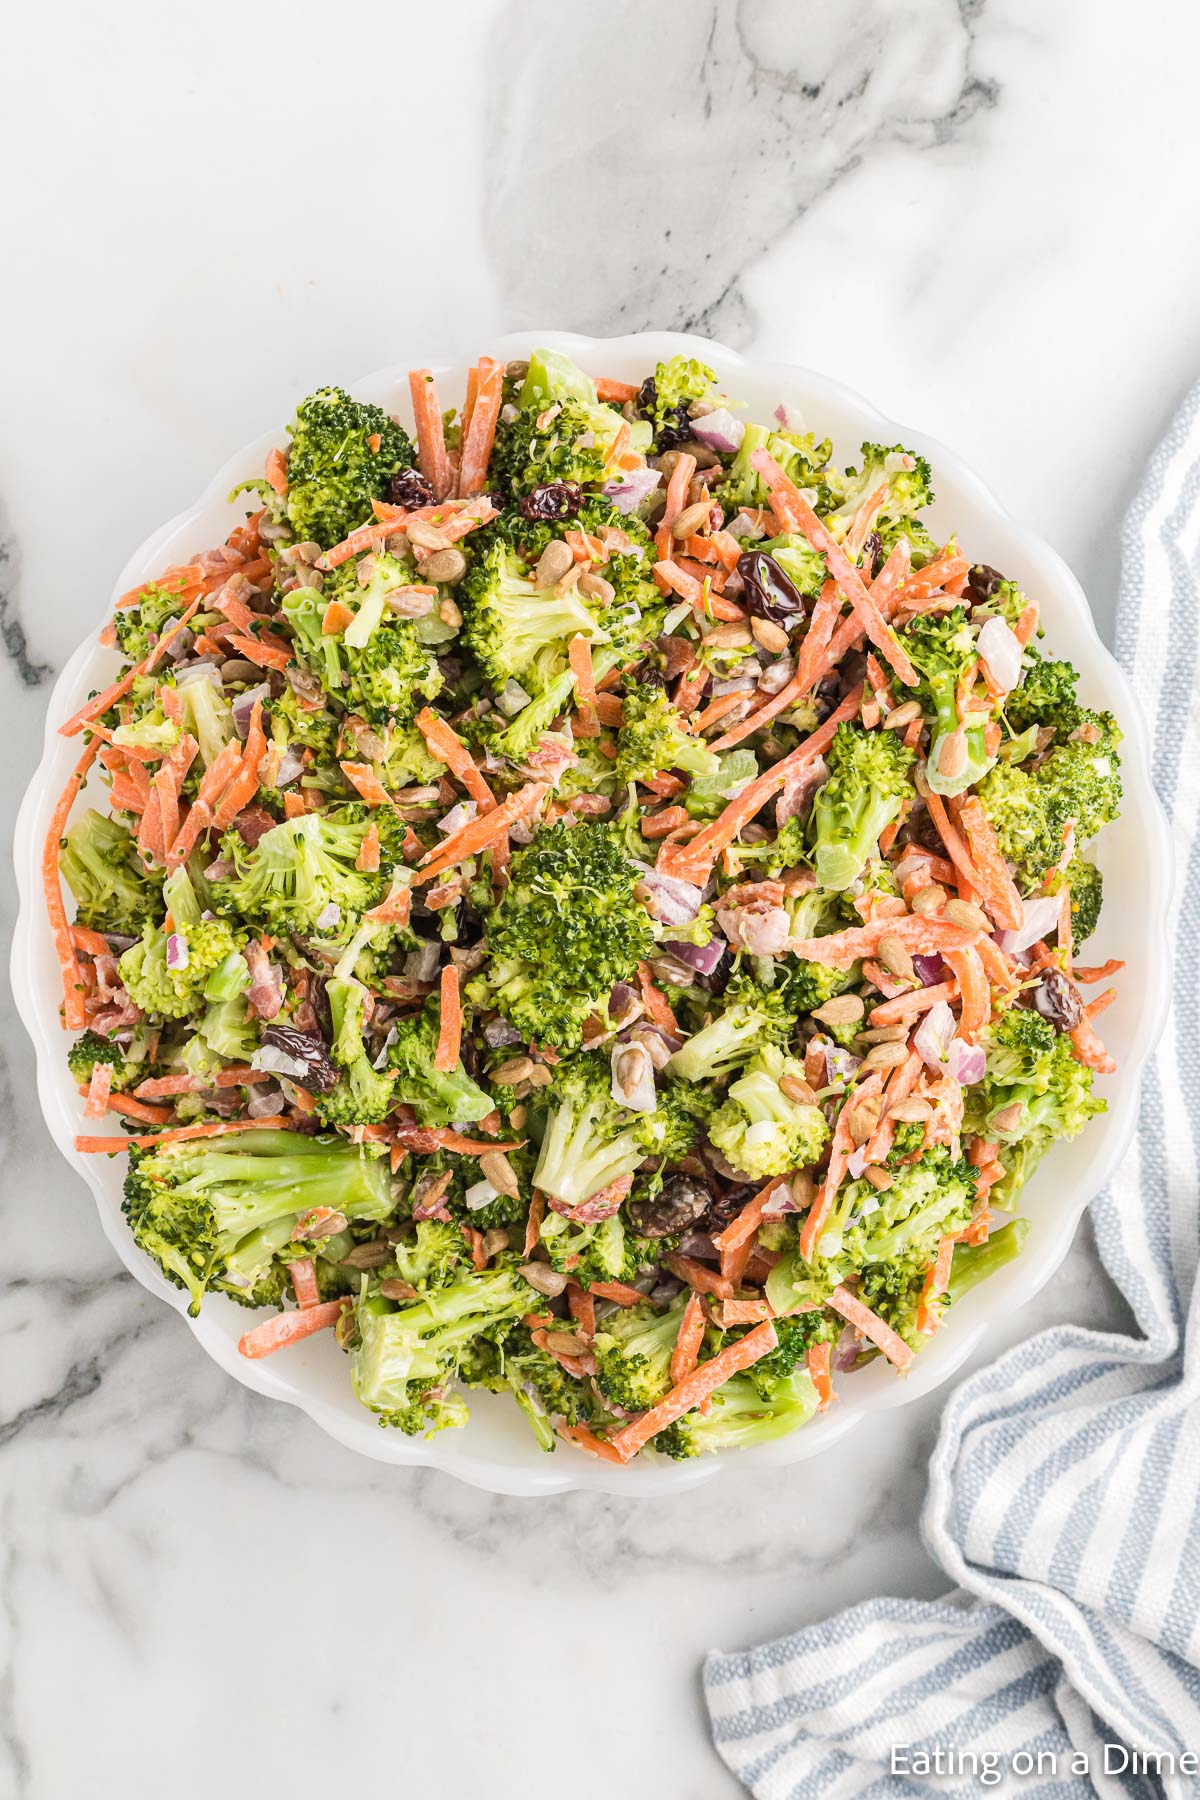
(1051, 1089)
(908, 480)
(633, 1354)
(333, 473)
(741, 1416)
(438, 1096)
(800, 457)
(796, 1336)
(392, 676)
(1046, 696)
(363, 1095)
(436, 1254)
(927, 1199)
(752, 1017)
(808, 985)
(516, 630)
(1028, 829)
(407, 1357)
(867, 786)
(652, 738)
(590, 1141)
(91, 1049)
(666, 397)
(100, 864)
(406, 759)
(565, 931)
(541, 1387)
(202, 1210)
(759, 1129)
(803, 566)
(1082, 778)
(299, 868)
(587, 1252)
(528, 455)
(208, 716)
(139, 627)
(788, 849)
(1087, 895)
(173, 993)
(941, 649)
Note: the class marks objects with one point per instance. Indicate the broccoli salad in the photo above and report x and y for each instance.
(584, 900)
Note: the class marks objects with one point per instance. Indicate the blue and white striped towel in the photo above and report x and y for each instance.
(1064, 1495)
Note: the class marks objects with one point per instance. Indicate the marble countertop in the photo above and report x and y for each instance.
(968, 211)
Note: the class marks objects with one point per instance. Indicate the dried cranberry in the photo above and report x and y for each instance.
(408, 487)
(768, 592)
(1057, 999)
(982, 583)
(555, 500)
(674, 1209)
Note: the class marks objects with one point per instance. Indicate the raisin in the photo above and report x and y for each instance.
(1058, 1000)
(982, 583)
(409, 488)
(555, 500)
(675, 1209)
(768, 592)
(305, 1048)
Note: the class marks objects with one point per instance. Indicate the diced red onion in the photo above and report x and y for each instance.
(291, 765)
(778, 1202)
(1040, 917)
(220, 870)
(422, 964)
(498, 1034)
(701, 957)
(699, 1244)
(265, 1103)
(845, 1354)
(930, 969)
(203, 668)
(719, 430)
(328, 917)
(790, 417)
(512, 698)
(933, 1037)
(177, 951)
(1000, 648)
(672, 902)
(839, 1064)
(624, 1004)
(458, 816)
(967, 1062)
(744, 682)
(743, 526)
(243, 708)
(634, 486)
(180, 644)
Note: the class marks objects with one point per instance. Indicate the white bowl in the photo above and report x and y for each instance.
(496, 1451)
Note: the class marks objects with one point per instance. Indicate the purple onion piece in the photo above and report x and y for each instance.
(201, 668)
(177, 951)
(243, 707)
(498, 1034)
(1040, 919)
(627, 494)
(266, 1103)
(701, 957)
(719, 430)
(291, 765)
(930, 969)
(672, 902)
(967, 1062)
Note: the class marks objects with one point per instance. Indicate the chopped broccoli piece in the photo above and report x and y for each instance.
(516, 630)
(299, 867)
(908, 480)
(652, 739)
(590, 1141)
(101, 866)
(941, 649)
(759, 1129)
(1087, 895)
(740, 1416)
(528, 455)
(438, 1096)
(173, 993)
(1046, 696)
(633, 1354)
(333, 473)
(867, 786)
(752, 1017)
(91, 1049)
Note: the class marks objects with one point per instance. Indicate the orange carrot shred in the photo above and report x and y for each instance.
(450, 1030)
(432, 457)
(449, 748)
(696, 1387)
(877, 1330)
(819, 1358)
(289, 1327)
(74, 1014)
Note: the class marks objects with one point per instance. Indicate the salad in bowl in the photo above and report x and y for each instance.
(584, 898)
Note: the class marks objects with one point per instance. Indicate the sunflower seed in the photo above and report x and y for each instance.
(971, 918)
(546, 1280)
(895, 957)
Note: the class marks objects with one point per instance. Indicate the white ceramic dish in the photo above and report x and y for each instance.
(496, 1450)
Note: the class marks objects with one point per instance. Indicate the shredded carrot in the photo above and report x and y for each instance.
(129, 1108)
(366, 783)
(973, 986)
(742, 1228)
(911, 1002)
(367, 860)
(609, 709)
(74, 1015)
(840, 1147)
(276, 471)
(849, 1307)
(449, 748)
(923, 935)
(696, 1387)
(480, 431)
(244, 785)
(181, 1134)
(579, 652)
(533, 1224)
(691, 1336)
(394, 909)
(583, 1439)
(289, 1327)
(583, 1309)
(618, 1291)
(479, 832)
(267, 651)
(89, 941)
(615, 393)
(304, 1282)
(658, 1007)
(450, 1029)
(336, 617)
(676, 500)
(698, 1276)
(819, 1358)
(1027, 624)
(432, 457)
(1089, 1050)
(1089, 972)
(929, 1313)
(994, 881)
(80, 720)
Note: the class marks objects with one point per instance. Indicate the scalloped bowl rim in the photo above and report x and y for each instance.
(529, 1472)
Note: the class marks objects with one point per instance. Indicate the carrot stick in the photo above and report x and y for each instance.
(819, 1357)
(620, 1291)
(304, 1282)
(450, 1030)
(583, 1439)
(1089, 1050)
(533, 1223)
(1100, 1004)
(841, 948)
(367, 860)
(267, 651)
(929, 1315)
(449, 748)
(1027, 624)
(698, 1276)
(615, 393)
(366, 783)
(289, 1327)
(932, 578)
(913, 1001)
(995, 883)
(479, 832)
(336, 617)
(956, 850)
(973, 986)
(394, 909)
(743, 1226)
(579, 652)
(479, 434)
(693, 861)
(244, 785)
(74, 1015)
(276, 471)
(91, 941)
(1089, 972)
(181, 1133)
(432, 457)
(696, 1387)
(800, 516)
(101, 703)
(744, 1312)
(850, 1308)
(677, 487)
(839, 1152)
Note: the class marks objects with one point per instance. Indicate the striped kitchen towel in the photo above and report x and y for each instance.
(1064, 1496)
